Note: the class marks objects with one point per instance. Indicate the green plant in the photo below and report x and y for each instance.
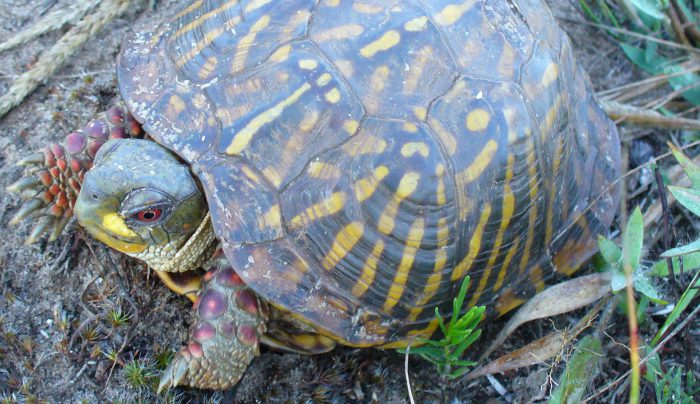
(140, 374)
(117, 317)
(446, 353)
(673, 386)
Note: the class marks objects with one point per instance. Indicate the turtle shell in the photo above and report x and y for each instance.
(360, 158)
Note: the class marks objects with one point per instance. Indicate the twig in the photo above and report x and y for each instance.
(405, 369)
(647, 117)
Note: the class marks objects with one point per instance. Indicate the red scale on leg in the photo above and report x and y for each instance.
(247, 334)
(212, 305)
(203, 332)
(246, 300)
(228, 278)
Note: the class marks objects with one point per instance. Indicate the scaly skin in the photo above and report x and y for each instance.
(55, 174)
(225, 337)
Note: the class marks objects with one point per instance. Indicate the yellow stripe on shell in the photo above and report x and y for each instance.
(446, 138)
(365, 8)
(505, 266)
(416, 25)
(533, 215)
(411, 148)
(368, 270)
(548, 230)
(329, 206)
(344, 241)
(256, 4)
(319, 169)
(199, 20)
(246, 42)
(474, 245)
(244, 136)
(332, 96)
(477, 167)
(440, 187)
(407, 185)
(413, 241)
(433, 283)
(386, 42)
(342, 32)
(416, 68)
(453, 12)
(365, 187)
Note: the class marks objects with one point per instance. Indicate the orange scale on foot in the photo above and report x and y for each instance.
(195, 349)
(209, 275)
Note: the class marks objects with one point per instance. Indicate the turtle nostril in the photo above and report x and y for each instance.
(95, 197)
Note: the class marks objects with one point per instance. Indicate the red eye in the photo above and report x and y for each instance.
(149, 215)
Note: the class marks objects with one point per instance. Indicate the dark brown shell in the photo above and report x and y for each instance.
(361, 157)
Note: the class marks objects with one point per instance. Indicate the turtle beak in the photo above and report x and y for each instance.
(99, 215)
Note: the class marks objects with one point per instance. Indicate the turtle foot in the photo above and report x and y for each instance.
(225, 337)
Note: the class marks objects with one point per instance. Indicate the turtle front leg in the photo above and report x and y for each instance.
(54, 175)
(225, 337)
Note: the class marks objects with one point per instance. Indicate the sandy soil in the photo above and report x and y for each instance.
(51, 291)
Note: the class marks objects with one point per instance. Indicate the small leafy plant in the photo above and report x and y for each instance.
(460, 333)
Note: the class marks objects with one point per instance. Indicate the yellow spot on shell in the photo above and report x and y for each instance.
(308, 64)
(333, 96)
(453, 12)
(116, 225)
(365, 187)
(478, 120)
(273, 176)
(368, 270)
(327, 207)
(175, 106)
(281, 54)
(310, 120)
(331, 3)
(550, 74)
(440, 174)
(379, 77)
(344, 241)
(365, 8)
(242, 139)
(208, 67)
(420, 113)
(479, 164)
(474, 245)
(411, 148)
(413, 241)
(345, 67)
(367, 145)
(270, 219)
(386, 42)
(416, 68)
(407, 185)
(324, 79)
(416, 24)
(351, 126)
(319, 169)
(409, 127)
(256, 4)
(339, 33)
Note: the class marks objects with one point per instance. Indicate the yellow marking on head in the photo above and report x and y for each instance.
(311, 118)
(324, 79)
(478, 120)
(474, 245)
(332, 96)
(477, 167)
(117, 244)
(507, 209)
(420, 113)
(413, 242)
(378, 79)
(340, 32)
(367, 145)
(368, 270)
(255, 4)
(411, 148)
(270, 219)
(409, 127)
(365, 8)
(416, 25)
(533, 216)
(246, 42)
(175, 105)
(386, 42)
(365, 187)
(196, 22)
(433, 282)
(345, 67)
(319, 169)
(244, 136)
(344, 241)
(327, 207)
(207, 68)
(273, 176)
(453, 12)
(351, 126)
(116, 225)
(281, 54)
(440, 188)
(446, 138)
(308, 64)
(551, 73)
(416, 69)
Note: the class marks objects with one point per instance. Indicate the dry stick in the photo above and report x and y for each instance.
(652, 353)
(50, 61)
(647, 117)
(643, 86)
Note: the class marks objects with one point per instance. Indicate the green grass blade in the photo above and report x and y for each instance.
(580, 370)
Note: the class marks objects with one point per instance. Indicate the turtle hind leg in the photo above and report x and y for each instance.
(224, 338)
(50, 61)
(54, 175)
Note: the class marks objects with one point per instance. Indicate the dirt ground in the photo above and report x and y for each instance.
(54, 332)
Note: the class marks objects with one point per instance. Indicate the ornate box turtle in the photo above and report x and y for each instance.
(353, 161)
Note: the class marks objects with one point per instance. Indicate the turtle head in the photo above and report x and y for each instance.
(140, 199)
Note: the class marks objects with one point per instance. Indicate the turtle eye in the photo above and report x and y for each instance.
(149, 215)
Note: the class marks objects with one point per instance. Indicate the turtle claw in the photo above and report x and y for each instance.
(174, 374)
(37, 158)
(27, 209)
